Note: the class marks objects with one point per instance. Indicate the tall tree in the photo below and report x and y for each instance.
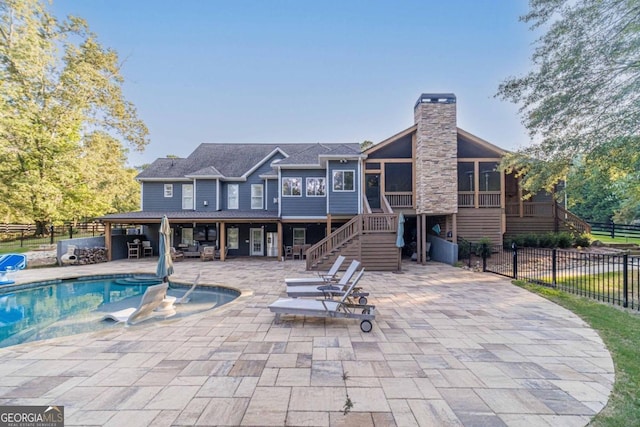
(61, 105)
(584, 89)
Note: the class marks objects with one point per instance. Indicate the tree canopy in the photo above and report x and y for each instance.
(581, 100)
(64, 120)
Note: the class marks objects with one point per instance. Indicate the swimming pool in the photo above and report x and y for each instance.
(43, 310)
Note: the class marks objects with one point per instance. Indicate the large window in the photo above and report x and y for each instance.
(168, 190)
(489, 176)
(233, 238)
(256, 196)
(299, 236)
(398, 177)
(291, 187)
(343, 180)
(187, 196)
(232, 196)
(316, 187)
(466, 179)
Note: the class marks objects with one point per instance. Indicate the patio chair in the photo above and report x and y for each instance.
(342, 308)
(152, 299)
(176, 255)
(332, 290)
(208, 252)
(134, 250)
(147, 250)
(9, 264)
(317, 281)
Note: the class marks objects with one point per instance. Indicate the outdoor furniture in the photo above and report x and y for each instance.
(288, 252)
(297, 251)
(226, 252)
(134, 250)
(147, 250)
(191, 252)
(317, 281)
(208, 253)
(9, 264)
(153, 298)
(327, 308)
(176, 255)
(331, 290)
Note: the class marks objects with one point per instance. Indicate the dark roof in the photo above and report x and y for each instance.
(235, 160)
(181, 216)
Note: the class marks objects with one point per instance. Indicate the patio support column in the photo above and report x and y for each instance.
(280, 242)
(223, 241)
(107, 240)
(328, 225)
(423, 249)
(454, 228)
(418, 238)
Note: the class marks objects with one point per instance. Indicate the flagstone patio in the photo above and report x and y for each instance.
(448, 347)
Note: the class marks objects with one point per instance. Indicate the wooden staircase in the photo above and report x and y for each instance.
(370, 238)
(571, 222)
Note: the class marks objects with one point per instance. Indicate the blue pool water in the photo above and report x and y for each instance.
(65, 307)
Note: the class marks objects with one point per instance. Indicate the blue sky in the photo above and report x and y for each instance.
(309, 71)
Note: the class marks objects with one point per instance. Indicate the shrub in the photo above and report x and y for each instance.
(565, 240)
(583, 240)
(484, 247)
(531, 240)
(548, 240)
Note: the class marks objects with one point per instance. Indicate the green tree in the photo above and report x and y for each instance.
(63, 118)
(584, 89)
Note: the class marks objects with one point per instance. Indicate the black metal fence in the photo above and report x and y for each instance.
(28, 236)
(614, 230)
(611, 278)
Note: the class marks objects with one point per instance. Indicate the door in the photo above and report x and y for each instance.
(256, 242)
(372, 190)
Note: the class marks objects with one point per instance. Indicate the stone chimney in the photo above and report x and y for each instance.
(436, 154)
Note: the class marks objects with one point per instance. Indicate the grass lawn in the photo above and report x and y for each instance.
(605, 238)
(620, 331)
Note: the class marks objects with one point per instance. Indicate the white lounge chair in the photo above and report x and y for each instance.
(152, 299)
(329, 277)
(332, 290)
(327, 308)
(187, 296)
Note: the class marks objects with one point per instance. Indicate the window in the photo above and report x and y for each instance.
(168, 190)
(316, 187)
(291, 187)
(187, 196)
(466, 180)
(233, 238)
(299, 236)
(343, 180)
(232, 196)
(256, 196)
(489, 176)
(398, 177)
(186, 236)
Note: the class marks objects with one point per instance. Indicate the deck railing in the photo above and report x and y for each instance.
(572, 221)
(400, 199)
(486, 199)
(365, 223)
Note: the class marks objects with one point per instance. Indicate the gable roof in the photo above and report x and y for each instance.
(236, 161)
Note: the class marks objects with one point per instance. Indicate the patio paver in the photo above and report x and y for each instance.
(448, 347)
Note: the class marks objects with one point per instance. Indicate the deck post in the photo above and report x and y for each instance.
(280, 242)
(223, 241)
(423, 249)
(107, 240)
(418, 238)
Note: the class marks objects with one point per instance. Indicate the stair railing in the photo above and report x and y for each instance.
(349, 230)
(571, 220)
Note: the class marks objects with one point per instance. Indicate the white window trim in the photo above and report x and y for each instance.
(307, 186)
(333, 187)
(187, 206)
(237, 198)
(168, 190)
(291, 195)
(256, 197)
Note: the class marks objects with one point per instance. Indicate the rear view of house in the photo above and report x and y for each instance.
(318, 201)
